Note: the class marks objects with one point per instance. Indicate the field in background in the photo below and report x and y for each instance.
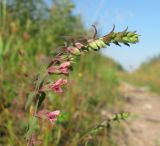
(147, 76)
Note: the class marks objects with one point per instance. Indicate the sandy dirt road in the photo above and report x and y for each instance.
(143, 126)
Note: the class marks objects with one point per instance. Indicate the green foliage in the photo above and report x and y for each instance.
(63, 118)
(146, 76)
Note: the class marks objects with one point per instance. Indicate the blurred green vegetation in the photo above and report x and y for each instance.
(29, 32)
(147, 75)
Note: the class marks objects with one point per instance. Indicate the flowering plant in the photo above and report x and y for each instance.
(61, 65)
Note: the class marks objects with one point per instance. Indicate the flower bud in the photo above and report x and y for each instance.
(113, 34)
(100, 43)
(74, 50)
(125, 39)
(136, 35)
(93, 45)
(130, 34)
(133, 40)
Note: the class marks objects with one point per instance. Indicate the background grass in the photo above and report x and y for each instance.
(146, 76)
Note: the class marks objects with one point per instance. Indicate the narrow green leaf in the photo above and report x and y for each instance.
(1, 46)
(41, 98)
(32, 126)
(30, 99)
(40, 80)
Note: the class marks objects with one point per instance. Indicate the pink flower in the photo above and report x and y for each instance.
(51, 116)
(57, 85)
(65, 64)
(63, 68)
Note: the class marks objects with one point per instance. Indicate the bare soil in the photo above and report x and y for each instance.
(143, 126)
